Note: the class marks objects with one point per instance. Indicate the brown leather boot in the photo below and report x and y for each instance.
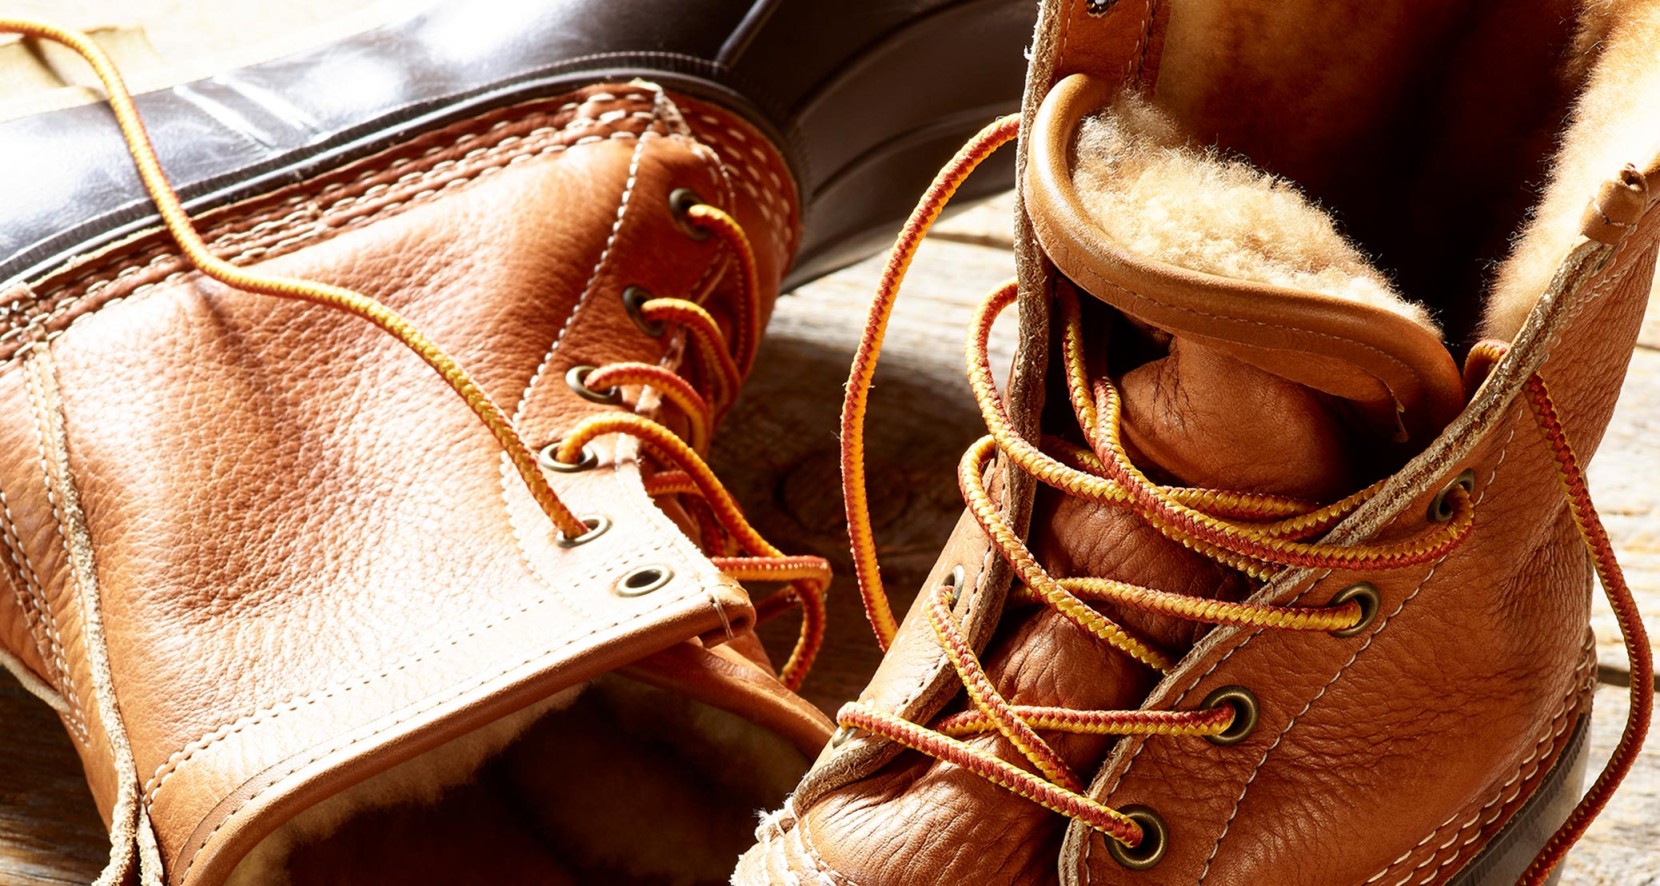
(1255, 585)
(312, 612)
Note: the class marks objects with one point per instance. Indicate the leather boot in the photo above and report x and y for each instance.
(311, 611)
(1256, 584)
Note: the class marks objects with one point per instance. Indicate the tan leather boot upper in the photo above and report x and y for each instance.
(257, 553)
(1435, 735)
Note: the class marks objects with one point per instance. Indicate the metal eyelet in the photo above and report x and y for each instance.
(643, 581)
(577, 379)
(1439, 510)
(596, 524)
(1244, 704)
(548, 458)
(841, 735)
(955, 582)
(1364, 593)
(633, 299)
(681, 201)
(1154, 838)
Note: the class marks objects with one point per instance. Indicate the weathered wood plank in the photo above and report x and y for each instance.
(50, 832)
(1625, 484)
(1622, 847)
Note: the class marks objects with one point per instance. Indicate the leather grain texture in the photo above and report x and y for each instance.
(1391, 756)
(310, 560)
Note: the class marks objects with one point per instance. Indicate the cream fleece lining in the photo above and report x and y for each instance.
(421, 780)
(1162, 199)
(1616, 121)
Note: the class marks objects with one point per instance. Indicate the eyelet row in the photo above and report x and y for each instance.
(645, 579)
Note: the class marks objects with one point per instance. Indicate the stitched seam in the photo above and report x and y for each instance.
(293, 244)
(406, 714)
(819, 863)
(1238, 801)
(721, 256)
(1145, 41)
(37, 609)
(37, 398)
(593, 273)
(65, 299)
(504, 465)
(27, 604)
(1481, 493)
(1596, 292)
(230, 230)
(1185, 693)
(1245, 789)
(768, 193)
(1339, 339)
(1269, 751)
(152, 787)
(1526, 769)
(130, 829)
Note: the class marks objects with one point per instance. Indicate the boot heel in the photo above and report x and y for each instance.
(1510, 853)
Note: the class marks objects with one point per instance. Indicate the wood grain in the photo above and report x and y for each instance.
(1622, 847)
(49, 829)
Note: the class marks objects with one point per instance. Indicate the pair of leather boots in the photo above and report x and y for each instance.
(1256, 582)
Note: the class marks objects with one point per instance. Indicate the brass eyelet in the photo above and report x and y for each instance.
(596, 524)
(643, 581)
(1439, 510)
(577, 379)
(841, 735)
(1154, 838)
(955, 582)
(1245, 713)
(1364, 593)
(548, 458)
(681, 201)
(633, 299)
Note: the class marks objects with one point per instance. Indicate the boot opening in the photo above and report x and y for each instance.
(1430, 132)
(614, 782)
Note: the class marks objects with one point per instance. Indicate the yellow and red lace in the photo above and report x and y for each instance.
(1256, 534)
(735, 546)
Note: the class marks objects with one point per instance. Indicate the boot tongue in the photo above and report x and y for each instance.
(1200, 417)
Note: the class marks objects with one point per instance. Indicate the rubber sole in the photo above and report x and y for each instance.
(1508, 856)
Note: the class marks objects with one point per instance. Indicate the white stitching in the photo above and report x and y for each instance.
(37, 607)
(37, 397)
(152, 787)
(432, 702)
(1525, 770)
(235, 235)
(1269, 751)
(1238, 801)
(541, 369)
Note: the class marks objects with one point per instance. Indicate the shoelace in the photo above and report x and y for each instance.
(735, 546)
(1255, 534)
